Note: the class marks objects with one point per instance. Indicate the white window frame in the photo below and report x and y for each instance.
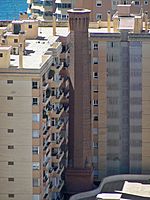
(35, 166)
(37, 181)
(35, 84)
(146, 2)
(35, 197)
(95, 75)
(95, 45)
(35, 133)
(98, 3)
(137, 2)
(35, 101)
(98, 16)
(36, 117)
(95, 60)
(35, 150)
(95, 102)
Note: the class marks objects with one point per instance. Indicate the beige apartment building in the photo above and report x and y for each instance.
(99, 8)
(33, 112)
(44, 10)
(120, 97)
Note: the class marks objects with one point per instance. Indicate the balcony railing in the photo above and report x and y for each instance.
(58, 142)
(45, 86)
(57, 113)
(59, 171)
(56, 83)
(57, 98)
(57, 127)
(59, 187)
(57, 158)
(51, 187)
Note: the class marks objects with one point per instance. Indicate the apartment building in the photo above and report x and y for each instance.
(42, 10)
(120, 97)
(98, 8)
(145, 4)
(33, 112)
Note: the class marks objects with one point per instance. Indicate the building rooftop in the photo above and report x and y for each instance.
(35, 48)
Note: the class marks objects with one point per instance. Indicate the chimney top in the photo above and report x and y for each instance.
(79, 10)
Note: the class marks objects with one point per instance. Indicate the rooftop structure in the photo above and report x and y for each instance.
(118, 187)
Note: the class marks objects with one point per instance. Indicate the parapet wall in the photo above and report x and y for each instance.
(109, 179)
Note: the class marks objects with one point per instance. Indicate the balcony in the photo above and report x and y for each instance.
(56, 113)
(46, 132)
(59, 187)
(51, 171)
(57, 67)
(57, 128)
(45, 86)
(58, 172)
(58, 157)
(56, 83)
(66, 108)
(58, 142)
(45, 181)
(46, 164)
(46, 100)
(57, 98)
(46, 148)
(51, 187)
(46, 196)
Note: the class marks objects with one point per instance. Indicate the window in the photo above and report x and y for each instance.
(34, 101)
(95, 60)
(137, 3)
(10, 162)
(95, 102)
(10, 130)
(98, 3)
(95, 75)
(10, 179)
(95, 88)
(35, 133)
(95, 118)
(95, 46)
(36, 197)
(15, 40)
(145, 2)
(98, 16)
(9, 81)
(30, 26)
(34, 85)
(95, 145)
(10, 114)
(1, 55)
(35, 117)
(10, 146)
(11, 195)
(35, 150)
(9, 98)
(36, 166)
(36, 182)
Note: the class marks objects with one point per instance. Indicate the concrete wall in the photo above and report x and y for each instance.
(145, 107)
(20, 138)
